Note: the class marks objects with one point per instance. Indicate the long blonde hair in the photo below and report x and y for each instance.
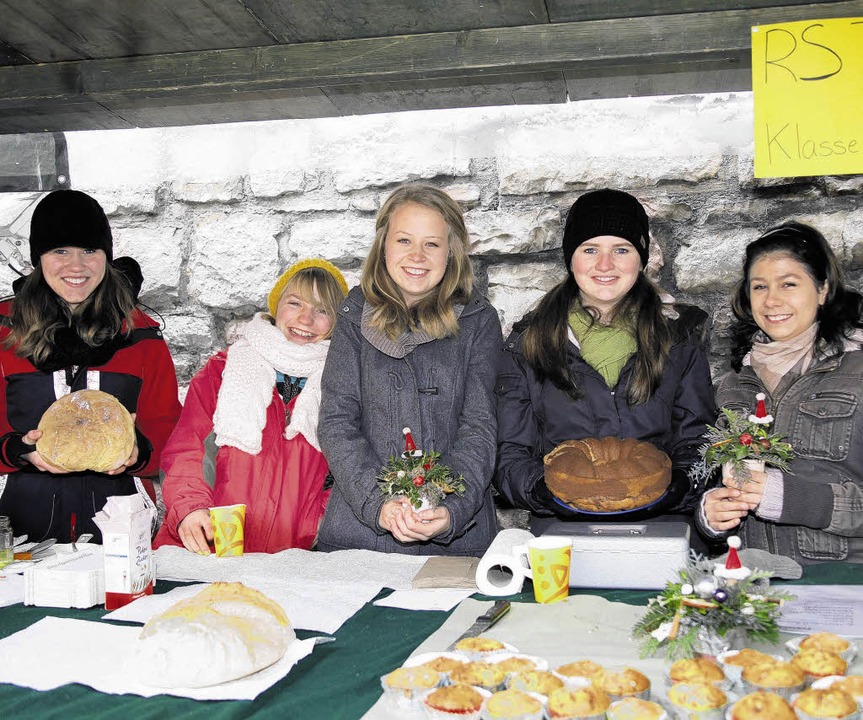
(435, 312)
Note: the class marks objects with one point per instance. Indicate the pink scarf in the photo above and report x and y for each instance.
(771, 361)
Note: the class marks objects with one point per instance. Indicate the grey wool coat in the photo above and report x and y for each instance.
(443, 390)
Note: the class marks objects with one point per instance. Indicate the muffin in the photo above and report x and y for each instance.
(829, 642)
(454, 701)
(819, 663)
(853, 685)
(482, 674)
(443, 664)
(480, 648)
(520, 663)
(829, 702)
(699, 701)
(406, 685)
(733, 662)
(623, 682)
(587, 703)
(782, 678)
(632, 708)
(695, 670)
(579, 673)
(761, 706)
(538, 681)
(512, 705)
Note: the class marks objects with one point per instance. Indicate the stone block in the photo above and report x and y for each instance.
(712, 258)
(344, 237)
(513, 231)
(228, 191)
(275, 182)
(158, 248)
(233, 258)
(515, 289)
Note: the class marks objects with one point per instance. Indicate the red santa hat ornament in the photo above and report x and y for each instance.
(733, 568)
(760, 417)
(732, 562)
(410, 445)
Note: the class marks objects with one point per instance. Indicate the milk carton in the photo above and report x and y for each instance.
(126, 523)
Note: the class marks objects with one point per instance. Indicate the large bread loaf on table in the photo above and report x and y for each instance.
(225, 632)
(86, 430)
(607, 474)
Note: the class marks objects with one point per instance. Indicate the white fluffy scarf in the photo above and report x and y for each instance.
(248, 381)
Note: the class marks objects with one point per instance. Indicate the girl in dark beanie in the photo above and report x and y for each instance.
(74, 325)
(601, 356)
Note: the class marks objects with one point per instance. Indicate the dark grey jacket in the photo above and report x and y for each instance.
(821, 415)
(534, 417)
(444, 391)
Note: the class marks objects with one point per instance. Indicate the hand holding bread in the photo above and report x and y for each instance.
(86, 430)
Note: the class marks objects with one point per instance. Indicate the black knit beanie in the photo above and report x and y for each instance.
(69, 218)
(606, 212)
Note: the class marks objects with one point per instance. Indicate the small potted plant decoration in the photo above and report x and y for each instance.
(745, 444)
(710, 609)
(419, 477)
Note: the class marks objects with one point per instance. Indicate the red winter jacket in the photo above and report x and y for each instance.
(140, 374)
(282, 486)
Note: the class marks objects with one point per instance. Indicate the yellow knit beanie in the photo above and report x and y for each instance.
(285, 278)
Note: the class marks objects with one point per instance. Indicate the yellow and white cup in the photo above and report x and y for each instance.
(546, 560)
(228, 523)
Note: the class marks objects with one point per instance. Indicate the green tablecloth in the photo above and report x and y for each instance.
(339, 680)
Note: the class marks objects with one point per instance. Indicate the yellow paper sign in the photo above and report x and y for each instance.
(807, 82)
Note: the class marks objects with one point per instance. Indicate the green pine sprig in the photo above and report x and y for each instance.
(748, 604)
(419, 478)
(741, 439)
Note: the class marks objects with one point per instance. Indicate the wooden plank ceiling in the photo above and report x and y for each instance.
(90, 64)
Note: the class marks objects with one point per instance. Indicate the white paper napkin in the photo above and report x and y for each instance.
(425, 599)
(57, 651)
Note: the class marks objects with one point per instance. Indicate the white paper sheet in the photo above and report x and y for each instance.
(309, 605)
(425, 599)
(318, 591)
(142, 609)
(831, 608)
(57, 651)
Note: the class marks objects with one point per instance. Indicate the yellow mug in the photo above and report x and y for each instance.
(228, 522)
(548, 563)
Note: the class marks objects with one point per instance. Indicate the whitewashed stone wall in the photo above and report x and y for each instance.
(214, 213)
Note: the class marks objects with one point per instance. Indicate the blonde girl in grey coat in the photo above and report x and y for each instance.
(414, 346)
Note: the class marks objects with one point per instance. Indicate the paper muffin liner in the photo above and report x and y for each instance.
(436, 714)
(784, 692)
(539, 715)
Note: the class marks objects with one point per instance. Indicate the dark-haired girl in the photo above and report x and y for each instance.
(602, 356)
(74, 324)
(797, 338)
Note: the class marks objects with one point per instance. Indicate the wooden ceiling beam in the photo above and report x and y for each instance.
(650, 44)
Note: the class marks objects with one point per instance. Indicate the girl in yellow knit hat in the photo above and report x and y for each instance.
(255, 407)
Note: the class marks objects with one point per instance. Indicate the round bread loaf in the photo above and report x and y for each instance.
(225, 632)
(86, 430)
(607, 474)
